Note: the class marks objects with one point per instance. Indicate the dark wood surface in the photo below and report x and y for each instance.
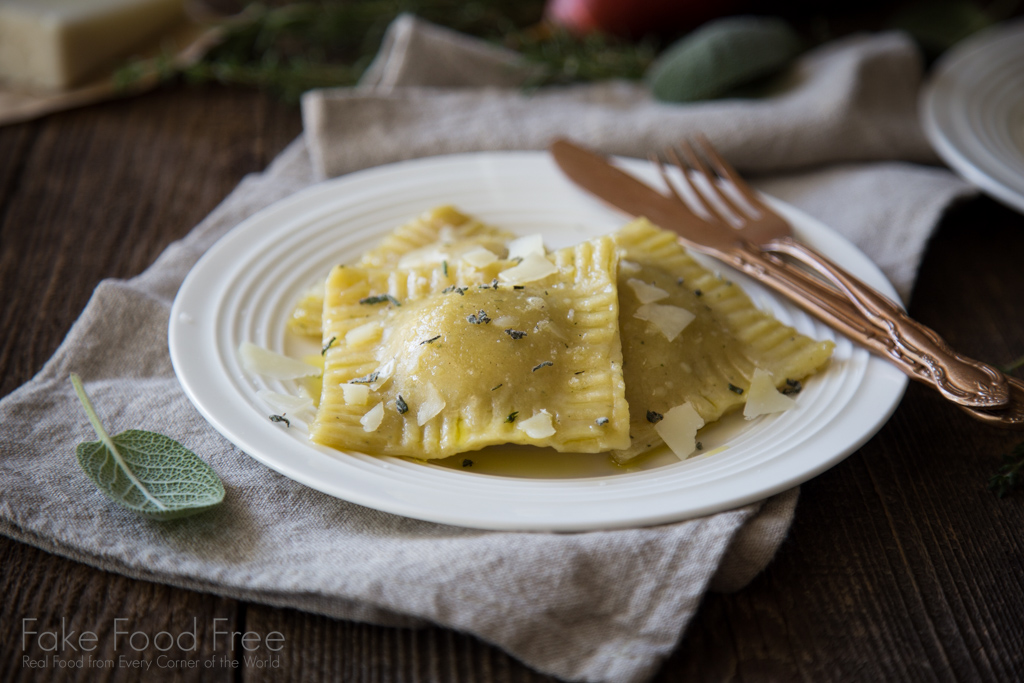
(901, 564)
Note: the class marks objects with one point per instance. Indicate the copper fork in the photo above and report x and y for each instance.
(835, 295)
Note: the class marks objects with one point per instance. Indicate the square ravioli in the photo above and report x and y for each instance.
(690, 336)
(432, 361)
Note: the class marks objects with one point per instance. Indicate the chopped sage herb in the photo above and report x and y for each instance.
(444, 268)
(700, 446)
(735, 389)
(478, 318)
(515, 334)
(401, 405)
(467, 462)
(518, 287)
(542, 365)
(697, 292)
(366, 379)
(328, 345)
(379, 299)
(280, 418)
(497, 387)
(494, 283)
(792, 387)
(461, 291)
(653, 417)
(512, 416)
(580, 372)
(602, 421)
(430, 341)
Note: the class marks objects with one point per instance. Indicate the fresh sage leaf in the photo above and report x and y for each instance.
(148, 473)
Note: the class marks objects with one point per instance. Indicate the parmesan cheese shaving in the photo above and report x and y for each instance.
(373, 417)
(432, 404)
(763, 398)
(646, 293)
(679, 428)
(260, 361)
(540, 426)
(670, 320)
(533, 267)
(355, 394)
(479, 257)
(521, 247)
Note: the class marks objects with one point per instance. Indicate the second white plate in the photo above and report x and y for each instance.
(972, 109)
(244, 287)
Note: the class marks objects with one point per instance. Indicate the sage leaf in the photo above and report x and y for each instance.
(150, 474)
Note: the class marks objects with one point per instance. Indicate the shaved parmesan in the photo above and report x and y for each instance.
(670, 320)
(763, 398)
(432, 404)
(479, 257)
(521, 247)
(628, 267)
(679, 428)
(540, 426)
(373, 417)
(285, 403)
(260, 361)
(533, 267)
(646, 293)
(424, 256)
(363, 334)
(355, 394)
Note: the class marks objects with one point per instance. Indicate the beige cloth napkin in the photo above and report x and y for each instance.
(596, 606)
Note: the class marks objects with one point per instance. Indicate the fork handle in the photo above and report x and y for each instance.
(963, 380)
(837, 311)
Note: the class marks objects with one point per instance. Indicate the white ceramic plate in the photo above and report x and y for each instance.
(972, 109)
(244, 287)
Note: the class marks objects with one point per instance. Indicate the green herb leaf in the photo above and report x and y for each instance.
(379, 299)
(148, 473)
(512, 416)
(1010, 474)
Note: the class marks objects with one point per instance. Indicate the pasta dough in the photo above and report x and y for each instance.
(455, 357)
(711, 361)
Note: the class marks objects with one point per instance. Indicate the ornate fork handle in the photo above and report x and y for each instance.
(962, 380)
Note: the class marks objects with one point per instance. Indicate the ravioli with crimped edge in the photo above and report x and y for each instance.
(689, 336)
(430, 361)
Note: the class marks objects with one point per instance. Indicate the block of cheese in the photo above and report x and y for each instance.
(57, 44)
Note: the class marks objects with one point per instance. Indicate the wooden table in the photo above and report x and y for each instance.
(901, 564)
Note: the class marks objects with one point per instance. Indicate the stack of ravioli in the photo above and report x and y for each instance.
(453, 335)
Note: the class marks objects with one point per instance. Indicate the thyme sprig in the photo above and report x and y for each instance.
(1010, 474)
(289, 47)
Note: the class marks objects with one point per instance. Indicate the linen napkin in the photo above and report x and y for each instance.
(596, 606)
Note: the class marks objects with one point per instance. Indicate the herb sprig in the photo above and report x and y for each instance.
(297, 46)
(1010, 474)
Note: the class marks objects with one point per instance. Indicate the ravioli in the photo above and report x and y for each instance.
(711, 360)
(438, 235)
(432, 361)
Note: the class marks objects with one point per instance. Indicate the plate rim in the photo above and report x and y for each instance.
(414, 509)
(933, 99)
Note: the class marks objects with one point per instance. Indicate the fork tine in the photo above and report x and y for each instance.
(726, 171)
(708, 191)
(656, 160)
